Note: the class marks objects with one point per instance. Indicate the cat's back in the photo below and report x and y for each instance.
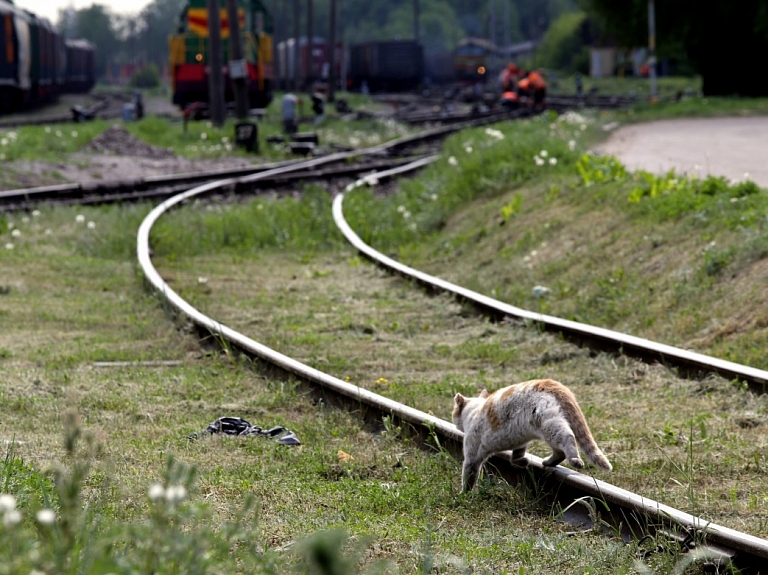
(530, 401)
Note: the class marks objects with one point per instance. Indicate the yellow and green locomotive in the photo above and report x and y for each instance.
(189, 52)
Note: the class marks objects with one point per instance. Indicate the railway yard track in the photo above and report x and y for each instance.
(587, 503)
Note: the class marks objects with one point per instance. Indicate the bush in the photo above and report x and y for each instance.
(563, 46)
(146, 77)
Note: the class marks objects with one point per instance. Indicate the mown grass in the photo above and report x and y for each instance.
(278, 270)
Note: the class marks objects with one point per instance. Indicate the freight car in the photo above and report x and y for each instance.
(80, 66)
(390, 66)
(189, 53)
(313, 64)
(34, 62)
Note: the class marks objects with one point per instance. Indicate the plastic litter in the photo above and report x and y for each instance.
(239, 426)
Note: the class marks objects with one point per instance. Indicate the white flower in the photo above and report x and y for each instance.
(12, 517)
(202, 280)
(156, 491)
(746, 175)
(74, 133)
(36, 213)
(79, 218)
(9, 246)
(538, 160)
(453, 161)
(468, 149)
(91, 225)
(401, 208)
(433, 197)
(553, 161)
(176, 493)
(543, 153)
(3, 142)
(58, 133)
(47, 129)
(48, 231)
(46, 517)
(406, 215)
(203, 136)
(7, 503)
(571, 145)
(16, 233)
(224, 139)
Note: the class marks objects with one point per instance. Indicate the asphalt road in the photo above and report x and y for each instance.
(736, 148)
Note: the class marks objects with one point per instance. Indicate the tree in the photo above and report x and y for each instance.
(563, 46)
(721, 39)
(158, 21)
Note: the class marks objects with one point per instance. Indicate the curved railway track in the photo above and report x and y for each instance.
(585, 501)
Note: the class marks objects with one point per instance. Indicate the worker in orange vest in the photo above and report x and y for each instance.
(509, 77)
(538, 88)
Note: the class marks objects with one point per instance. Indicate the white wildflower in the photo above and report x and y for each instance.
(202, 280)
(571, 145)
(46, 517)
(203, 136)
(79, 218)
(543, 153)
(224, 139)
(433, 197)
(58, 133)
(538, 160)
(9, 246)
(453, 161)
(48, 231)
(7, 503)
(156, 491)
(406, 215)
(553, 161)
(4, 142)
(47, 129)
(401, 208)
(746, 176)
(468, 149)
(91, 225)
(35, 213)
(74, 133)
(16, 233)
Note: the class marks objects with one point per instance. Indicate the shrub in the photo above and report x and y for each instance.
(146, 77)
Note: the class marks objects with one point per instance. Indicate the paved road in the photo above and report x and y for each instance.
(730, 147)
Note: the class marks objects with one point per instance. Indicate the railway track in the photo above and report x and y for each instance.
(104, 106)
(585, 501)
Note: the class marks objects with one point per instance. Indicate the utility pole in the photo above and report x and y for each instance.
(238, 70)
(652, 47)
(310, 46)
(332, 54)
(215, 74)
(278, 36)
(416, 13)
(296, 47)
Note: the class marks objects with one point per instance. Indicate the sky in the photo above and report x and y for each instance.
(50, 8)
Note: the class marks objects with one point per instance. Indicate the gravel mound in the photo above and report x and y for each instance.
(119, 141)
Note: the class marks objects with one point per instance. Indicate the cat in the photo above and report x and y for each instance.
(511, 417)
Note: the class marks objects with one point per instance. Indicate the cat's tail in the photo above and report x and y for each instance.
(580, 429)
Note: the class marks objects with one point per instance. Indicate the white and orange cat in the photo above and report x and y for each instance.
(511, 417)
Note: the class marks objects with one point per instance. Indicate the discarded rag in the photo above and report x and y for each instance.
(239, 426)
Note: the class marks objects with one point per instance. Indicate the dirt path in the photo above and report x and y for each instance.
(730, 147)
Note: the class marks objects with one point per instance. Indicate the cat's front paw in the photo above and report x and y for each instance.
(520, 461)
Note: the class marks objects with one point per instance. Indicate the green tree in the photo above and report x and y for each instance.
(97, 25)
(158, 21)
(721, 39)
(564, 45)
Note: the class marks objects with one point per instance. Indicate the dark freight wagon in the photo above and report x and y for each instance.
(388, 66)
(35, 66)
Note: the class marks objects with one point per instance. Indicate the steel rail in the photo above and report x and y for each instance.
(597, 337)
(629, 513)
(582, 500)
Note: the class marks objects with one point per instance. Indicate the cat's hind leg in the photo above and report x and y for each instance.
(564, 449)
(518, 457)
(469, 473)
(557, 457)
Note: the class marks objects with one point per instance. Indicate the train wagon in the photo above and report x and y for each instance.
(36, 65)
(189, 53)
(313, 64)
(388, 66)
(81, 66)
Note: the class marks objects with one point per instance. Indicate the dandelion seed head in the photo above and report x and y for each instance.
(7, 502)
(79, 218)
(203, 136)
(543, 153)
(3, 141)
(175, 493)
(747, 175)
(453, 161)
(433, 197)
(12, 517)
(91, 225)
(202, 280)
(36, 213)
(156, 491)
(16, 233)
(9, 246)
(58, 133)
(468, 149)
(74, 133)
(571, 145)
(46, 517)
(553, 161)
(48, 231)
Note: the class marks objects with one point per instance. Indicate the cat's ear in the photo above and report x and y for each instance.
(483, 394)
(459, 400)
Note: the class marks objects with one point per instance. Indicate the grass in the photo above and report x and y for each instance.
(494, 219)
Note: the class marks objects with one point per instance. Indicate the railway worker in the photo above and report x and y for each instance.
(524, 89)
(538, 88)
(510, 100)
(289, 107)
(509, 77)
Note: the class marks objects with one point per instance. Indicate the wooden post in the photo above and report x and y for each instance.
(332, 53)
(310, 45)
(296, 47)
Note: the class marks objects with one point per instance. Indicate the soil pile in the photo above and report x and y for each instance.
(119, 141)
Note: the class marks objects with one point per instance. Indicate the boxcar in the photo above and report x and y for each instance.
(189, 53)
(388, 66)
(81, 69)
